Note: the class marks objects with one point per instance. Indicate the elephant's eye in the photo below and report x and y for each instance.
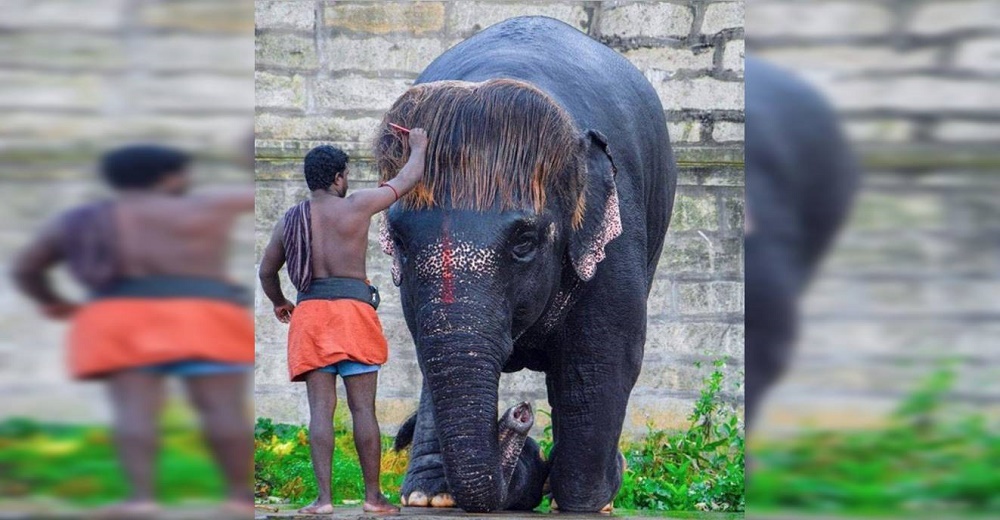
(525, 245)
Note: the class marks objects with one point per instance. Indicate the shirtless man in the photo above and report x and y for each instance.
(334, 328)
(153, 259)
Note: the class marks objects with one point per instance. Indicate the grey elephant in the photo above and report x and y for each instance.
(530, 244)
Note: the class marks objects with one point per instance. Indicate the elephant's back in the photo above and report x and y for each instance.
(598, 87)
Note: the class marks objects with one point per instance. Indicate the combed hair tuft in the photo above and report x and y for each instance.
(500, 144)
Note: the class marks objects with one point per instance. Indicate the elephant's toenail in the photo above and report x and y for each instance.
(553, 505)
(418, 499)
(608, 508)
(402, 499)
(442, 500)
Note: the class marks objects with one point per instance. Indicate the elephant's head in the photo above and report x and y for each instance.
(514, 193)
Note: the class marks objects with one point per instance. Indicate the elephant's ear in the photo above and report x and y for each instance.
(601, 221)
(387, 247)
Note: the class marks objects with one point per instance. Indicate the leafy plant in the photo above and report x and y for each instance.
(929, 457)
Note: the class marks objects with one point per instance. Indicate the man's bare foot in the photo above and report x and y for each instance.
(380, 505)
(317, 508)
(129, 509)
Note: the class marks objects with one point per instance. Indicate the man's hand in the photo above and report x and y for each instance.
(60, 310)
(418, 140)
(284, 311)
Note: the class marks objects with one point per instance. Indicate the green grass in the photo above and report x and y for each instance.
(928, 458)
(699, 469)
(77, 465)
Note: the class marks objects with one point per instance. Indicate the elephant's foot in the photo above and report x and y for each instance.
(419, 499)
(609, 508)
(425, 485)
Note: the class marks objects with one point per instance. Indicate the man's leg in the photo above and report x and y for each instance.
(137, 399)
(367, 438)
(221, 403)
(321, 388)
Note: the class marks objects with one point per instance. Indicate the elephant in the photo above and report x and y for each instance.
(531, 243)
(801, 180)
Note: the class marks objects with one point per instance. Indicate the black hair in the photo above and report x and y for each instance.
(322, 165)
(141, 166)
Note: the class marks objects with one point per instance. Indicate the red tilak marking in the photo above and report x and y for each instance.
(447, 276)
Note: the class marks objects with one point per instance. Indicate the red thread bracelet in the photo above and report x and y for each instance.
(387, 185)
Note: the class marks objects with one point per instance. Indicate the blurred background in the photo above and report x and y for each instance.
(79, 77)
(890, 403)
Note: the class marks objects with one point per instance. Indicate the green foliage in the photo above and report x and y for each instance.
(283, 468)
(699, 469)
(928, 457)
(77, 464)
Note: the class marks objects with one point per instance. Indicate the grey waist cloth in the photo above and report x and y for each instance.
(335, 288)
(174, 287)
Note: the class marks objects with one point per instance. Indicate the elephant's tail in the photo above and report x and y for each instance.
(404, 437)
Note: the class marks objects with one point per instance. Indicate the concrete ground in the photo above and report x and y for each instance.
(414, 513)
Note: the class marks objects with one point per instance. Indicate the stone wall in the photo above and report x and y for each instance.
(915, 278)
(78, 77)
(327, 71)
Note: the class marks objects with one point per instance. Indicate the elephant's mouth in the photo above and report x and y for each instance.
(513, 432)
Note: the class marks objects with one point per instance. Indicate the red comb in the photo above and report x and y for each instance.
(401, 129)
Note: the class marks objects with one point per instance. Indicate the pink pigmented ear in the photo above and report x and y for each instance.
(610, 229)
(385, 241)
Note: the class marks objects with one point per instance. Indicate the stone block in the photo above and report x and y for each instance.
(385, 17)
(316, 128)
(697, 93)
(722, 15)
(826, 19)
(466, 18)
(934, 18)
(653, 19)
(726, 132)
(380, 54)
(979, 55)
(52, 91)
(685, 131)
(285, 51)
(207, 16)
(694, 211)
(205, 92)
(353, 92)
(967, 131)
(669, 59)
(99, 15)
(280, 91)
(213, 53)
(285, 14)
(733, 56)
(91, 52)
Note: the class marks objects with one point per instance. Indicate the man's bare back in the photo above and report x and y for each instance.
(339, 237)
(178, 235)
(339, 225)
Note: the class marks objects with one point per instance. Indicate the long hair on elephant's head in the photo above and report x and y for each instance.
(500, 144)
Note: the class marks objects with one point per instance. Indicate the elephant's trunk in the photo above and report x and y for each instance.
(462, 371)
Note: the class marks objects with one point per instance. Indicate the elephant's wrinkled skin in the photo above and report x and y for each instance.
(495, 281)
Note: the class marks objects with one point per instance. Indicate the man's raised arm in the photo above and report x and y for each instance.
(374, 200)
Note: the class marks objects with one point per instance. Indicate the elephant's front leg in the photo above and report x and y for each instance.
(425, 484)
(589, 387)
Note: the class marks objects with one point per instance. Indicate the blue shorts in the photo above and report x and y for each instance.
(349, 368)
(196, 368)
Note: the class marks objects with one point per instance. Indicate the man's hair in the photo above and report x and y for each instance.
(322, 165)
(141, 166)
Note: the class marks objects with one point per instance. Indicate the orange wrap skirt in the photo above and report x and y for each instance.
(324, 332)
(114, 334)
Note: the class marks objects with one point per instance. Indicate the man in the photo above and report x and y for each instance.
(334, 328)
(153, 259)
